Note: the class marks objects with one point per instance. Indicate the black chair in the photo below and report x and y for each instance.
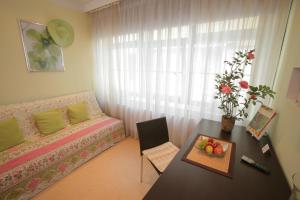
(155, 145)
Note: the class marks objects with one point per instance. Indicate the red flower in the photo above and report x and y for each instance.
(244, 84)
(250, 55)
(84, 154)
(33, 184)
(51, 158)
(221, 86)
(226, 89)
(62, 168)
(253, 97)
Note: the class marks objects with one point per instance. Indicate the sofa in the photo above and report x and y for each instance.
(40, 161)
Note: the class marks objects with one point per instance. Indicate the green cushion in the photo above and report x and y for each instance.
(49, 122)
(78, 113)
(10, 134)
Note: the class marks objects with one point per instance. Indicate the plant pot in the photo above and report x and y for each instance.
(227, 123)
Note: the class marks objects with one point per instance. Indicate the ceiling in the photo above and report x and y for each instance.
(82, 5)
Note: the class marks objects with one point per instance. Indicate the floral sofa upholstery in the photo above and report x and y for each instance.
(32, 166)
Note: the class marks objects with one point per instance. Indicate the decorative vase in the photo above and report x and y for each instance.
(227, 123)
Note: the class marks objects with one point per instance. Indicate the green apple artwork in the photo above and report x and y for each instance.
(41, 53)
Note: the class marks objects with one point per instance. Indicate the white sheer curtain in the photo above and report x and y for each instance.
(159, 57)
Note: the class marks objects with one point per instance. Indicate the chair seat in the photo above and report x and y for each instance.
(161, 155)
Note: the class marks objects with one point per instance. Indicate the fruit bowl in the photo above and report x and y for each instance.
(211, 147)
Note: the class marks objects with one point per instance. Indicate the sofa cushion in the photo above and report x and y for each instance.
(10, 134)
(23, 111)
(49, 122)
(78, 113)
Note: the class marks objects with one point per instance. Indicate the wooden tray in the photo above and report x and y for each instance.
(218, 165)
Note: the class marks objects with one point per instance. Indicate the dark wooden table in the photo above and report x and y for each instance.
(182, 180)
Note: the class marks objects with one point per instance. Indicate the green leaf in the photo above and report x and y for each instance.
(254, 89)
(34, 35)
(45, 34)
(54, 50)
(38, 48)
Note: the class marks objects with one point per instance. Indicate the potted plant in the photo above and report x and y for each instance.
(235, 94)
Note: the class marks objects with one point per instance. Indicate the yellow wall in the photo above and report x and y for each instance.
(16, 83)
(286, 132)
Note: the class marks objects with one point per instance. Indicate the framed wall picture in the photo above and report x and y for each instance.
(41, 53)
(260, 121)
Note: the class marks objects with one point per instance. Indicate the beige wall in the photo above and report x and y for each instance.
(16, 83)
(286, 131)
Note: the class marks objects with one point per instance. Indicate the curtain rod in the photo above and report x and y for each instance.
(103, 7)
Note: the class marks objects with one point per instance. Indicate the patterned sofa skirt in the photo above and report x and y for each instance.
(32, 166)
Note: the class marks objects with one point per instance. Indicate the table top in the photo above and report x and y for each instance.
(182, 180)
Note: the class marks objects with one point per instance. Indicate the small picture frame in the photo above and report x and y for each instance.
(258, 125)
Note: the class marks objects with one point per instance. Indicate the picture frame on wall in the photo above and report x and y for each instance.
(258, 125)
(41, 53)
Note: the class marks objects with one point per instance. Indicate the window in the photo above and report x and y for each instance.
(175, 63)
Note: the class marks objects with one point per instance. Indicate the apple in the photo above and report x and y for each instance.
(209, 143)
(218, 150)
(215, 145)
(202, 144)
(209, 149)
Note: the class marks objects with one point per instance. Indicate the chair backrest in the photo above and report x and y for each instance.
(152, 133)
